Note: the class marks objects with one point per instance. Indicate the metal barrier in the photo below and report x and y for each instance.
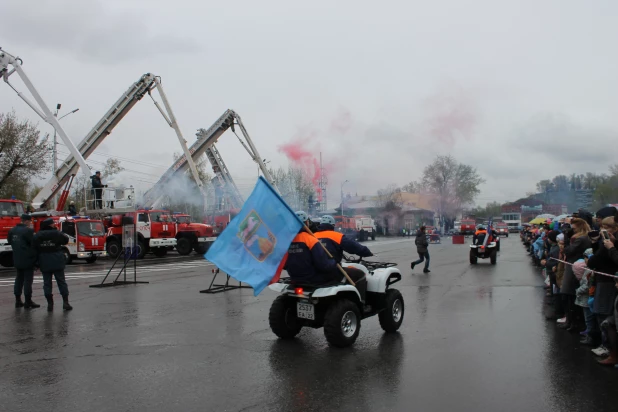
(108, 199)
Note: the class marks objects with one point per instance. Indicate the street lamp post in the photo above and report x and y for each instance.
(55, 152)
(55, 144)
(342, 197)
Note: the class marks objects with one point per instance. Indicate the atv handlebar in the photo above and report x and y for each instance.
(369, 264)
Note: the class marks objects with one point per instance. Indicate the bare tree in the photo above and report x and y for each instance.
(23, 154)
(454, 184)
(389, 198)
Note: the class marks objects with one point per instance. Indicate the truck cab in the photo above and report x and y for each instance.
(10, 215)
(192, 236)
(156, 232)
(86, 236)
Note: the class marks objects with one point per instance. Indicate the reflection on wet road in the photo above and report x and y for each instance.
(473, 339)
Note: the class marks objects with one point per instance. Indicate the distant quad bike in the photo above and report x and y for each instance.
(337, 306)
(483, 252)
(434, 238)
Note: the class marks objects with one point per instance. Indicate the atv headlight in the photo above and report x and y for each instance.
(81, 247)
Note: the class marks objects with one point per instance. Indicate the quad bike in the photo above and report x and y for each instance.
(337, 306)
(434, 238)
(483, 252)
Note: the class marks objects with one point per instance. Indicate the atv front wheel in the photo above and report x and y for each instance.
(392, 316)
(282, 318)
(342, 323)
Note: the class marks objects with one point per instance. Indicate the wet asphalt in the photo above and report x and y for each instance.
(473, 339)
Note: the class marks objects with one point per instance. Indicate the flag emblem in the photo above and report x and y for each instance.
(256, 236)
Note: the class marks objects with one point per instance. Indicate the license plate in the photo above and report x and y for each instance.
(305, 311)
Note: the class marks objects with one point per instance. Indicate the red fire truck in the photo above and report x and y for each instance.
(192, 236)
(10, 216)
(86, 236)
(156, 232)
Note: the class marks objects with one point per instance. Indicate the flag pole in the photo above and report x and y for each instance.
(343, 272)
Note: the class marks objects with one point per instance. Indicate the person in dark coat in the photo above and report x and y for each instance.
(605, 260)
(72, 209)
(422, 249)
(551, 266)
(49, 244)
(97, 187)
(573, 250)
(21, 239)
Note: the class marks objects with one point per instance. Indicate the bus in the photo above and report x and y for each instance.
(513, 220)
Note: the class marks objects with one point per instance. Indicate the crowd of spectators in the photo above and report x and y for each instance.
(579, 259)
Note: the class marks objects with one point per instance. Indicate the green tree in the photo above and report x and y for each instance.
(24, 155)
(543, 185)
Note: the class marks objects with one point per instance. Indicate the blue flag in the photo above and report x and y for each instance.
(254, 243)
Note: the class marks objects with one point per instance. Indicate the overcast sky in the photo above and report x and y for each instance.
(523, 90)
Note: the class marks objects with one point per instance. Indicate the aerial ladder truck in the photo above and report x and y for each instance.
(195, 236)
(65, 174)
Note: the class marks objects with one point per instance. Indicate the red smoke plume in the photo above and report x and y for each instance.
(306, 160)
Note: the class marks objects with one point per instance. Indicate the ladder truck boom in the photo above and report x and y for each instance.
(63, 177)
(206, 138)
(95, 137)
(223, 178)
(39, 106)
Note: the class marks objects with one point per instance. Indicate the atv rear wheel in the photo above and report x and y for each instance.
(493, 257)
(183, 246)
(342, 323)
(473, 257)
(392, 316)
(282, 318)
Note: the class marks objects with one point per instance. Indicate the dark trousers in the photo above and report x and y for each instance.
(23, 281)
(98, 195)
(423, 257)
(359, 278)
(60, 281)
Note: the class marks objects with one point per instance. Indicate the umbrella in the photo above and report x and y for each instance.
(559, 218)
(538, 221)
(545, 216)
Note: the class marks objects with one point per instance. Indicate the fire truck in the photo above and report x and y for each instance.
(86, 236)
(157, 240)
(156, 232)
(468, 226)
(10, 216)
(360, 227)
(192, 236)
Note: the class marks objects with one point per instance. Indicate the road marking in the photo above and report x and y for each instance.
(101, 273)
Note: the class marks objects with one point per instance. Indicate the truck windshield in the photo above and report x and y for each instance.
(11, 209)
(90, 229)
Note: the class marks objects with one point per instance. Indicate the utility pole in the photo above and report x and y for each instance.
(342, 214)
(323, 182)
(55, 145)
